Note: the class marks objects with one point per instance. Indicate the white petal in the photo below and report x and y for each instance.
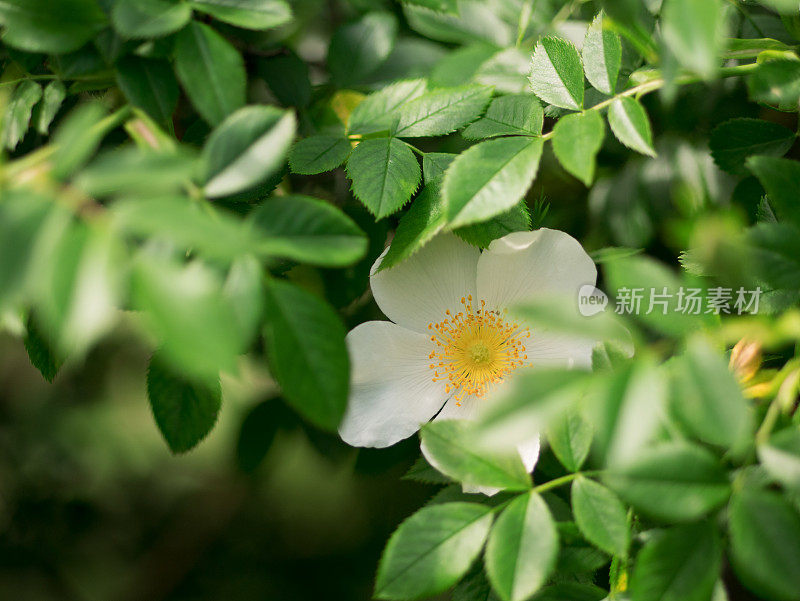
(524, 265)
(556, 349)
(529, 451)
(419, 290)
(392, 393)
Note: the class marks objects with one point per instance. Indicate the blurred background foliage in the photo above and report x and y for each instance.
(93, 506)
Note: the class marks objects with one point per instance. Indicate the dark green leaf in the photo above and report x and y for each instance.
(249, 14)
(287, 77)
(307, 354)
(41, 352)
(557, 73)
(781, 180)
(735, 140)
(775, 247)
(185, 411)
(211, 71)
(629, 122)
(431, 550)
(359, 48)
(602, 55)
(256, 434)
(150, 85)
(317, 154)
(51, 27)
(513, 115)
(385, 174)
(601, 516)
(149, 18)
(577, 139)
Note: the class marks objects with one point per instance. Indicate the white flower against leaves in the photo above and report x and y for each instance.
(450, 344)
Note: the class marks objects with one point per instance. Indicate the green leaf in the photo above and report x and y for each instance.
(707, 398)
(423, 220)
(425, 473)
(679, 564)
(776, 83)
(570, 438)
(244, 292)
(512, 115)
(317, 154)
(53, 97)
(775, 247)
(18, 112)
(733, 141)
(694, 32)
(247, 148)
(41, 353)
(305, 229)
(781, 180)
(307, 354)
(629, 122)
(602, 56)
(150, 85)
(601, 516)
(516, 219)
(149, 18)
(448, 447)
(211, 71)
(577, 139)
(249, 14)
(780, 456)
(522, 548)
(431, 550)
(385, 173)
(256, 435)
(442, 111)
(185, 411)
(434, 165)
(490, 178)
(674, 482)
(287, 78)
(379, 111)
(50, 27)
(359, 48)
(77, 138)
(765, 543)
(557, 73)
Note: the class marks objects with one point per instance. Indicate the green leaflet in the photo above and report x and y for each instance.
(150, 85)
(733, 141)
(522, 548)
(694, 33)
(431, 550)
(601, 516)
(577, 138)
(249, 14)
(442, 111)
(184, 410)
(378, 111)
(307, 353)
(570, 437)
(780, 456)
(385, 174)
(557, 74)
(149, 18)
(358, 48)
(52, 98)
(50, 27)
(490, 178)
(211, 71)
(629, 122)
(602, 56)
(781, 180)
(18, 112)
(776, 83)
(515, 114)
(320, 153)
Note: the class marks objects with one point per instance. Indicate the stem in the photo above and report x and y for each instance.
(561, 481)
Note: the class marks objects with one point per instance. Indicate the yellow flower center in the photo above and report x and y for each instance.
(475, 349)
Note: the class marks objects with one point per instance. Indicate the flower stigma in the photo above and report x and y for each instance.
(475, 348)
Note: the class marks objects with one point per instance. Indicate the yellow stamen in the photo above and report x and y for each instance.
(475, 348)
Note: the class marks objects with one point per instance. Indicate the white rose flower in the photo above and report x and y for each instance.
(449, 342)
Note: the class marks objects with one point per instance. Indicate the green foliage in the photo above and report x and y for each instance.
(149, 85)
(629, 122)
(41, 26)
(577, 139)
(557, 73)
(441, 111)
(570, 437)
(602, 56)
(694, 33)
(515, 114)
(359, 48)
(734, 141)
(249, 14)
(149, 18)
(317, 154)
(601, 516)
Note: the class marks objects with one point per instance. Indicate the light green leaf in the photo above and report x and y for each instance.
(577, 138)
(629, 122)
(247, 148)
(601, 516)
(707, 398)
(679, 564)
(385, 174)
(45, 26)
(694, 32)
(557, 73)
(150, 85)
(359, 48)
(781, 180)
(18, 112)
(317, 154)
(570, 438)
(53, 97)
(674, 482)
(431, 550)
(442, 111)
(149, 18)
(512, 115)
(305, 229)
(733, 141)
(185, 410)
(249, 14)
(780, 456)
(77, 137)
(244, 291)
(307, 354)
(522, 548)
(379, 111)
(776, 83)
(602, 56)
(448, 447)
(490, 178)
(211, 71)
(765, 543)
